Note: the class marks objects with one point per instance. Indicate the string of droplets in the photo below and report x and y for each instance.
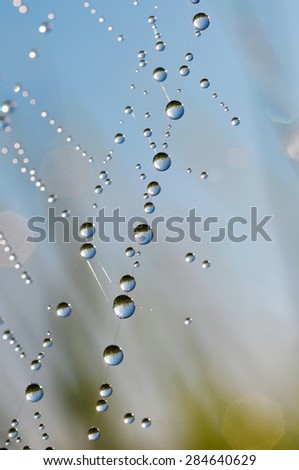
(101, 19)
(12, 256)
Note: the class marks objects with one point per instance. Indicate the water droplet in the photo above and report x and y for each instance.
(14, 423)
(201, 21)
(143, 234)
(44, 27)
(161, 161)
(136, 264)
(129, 418)
(152, 19)
(34, 393)
(52, 198)
(195, 1)
(235, 121)
(189, 170)
(143, 176)
(119, 138)
(103, 175)
(138, 166)
(7, 335)
(123, 305)
(40, 356)
(141, 54)
(37, 415)
(13, 432)
(160, 46)
(153, 188)
(206, 264)
(47, 343)
(120, 38)
(127, 283)
(190, 257)
(87, 230)
(63, 309)
(147, 132)
(149, 207)
(188, 320)
(108, 182)
(152, 145)
(102, 406)
(128, 110)
(146, 423)
(105, 390)
(214, 95)
(93, 434)
(113, 355)
(184, 70)
(226, 109)
(88, 250)
(66, 213)
(130, 252)
(147, 115)
(35, 365)
(174, 109)
(204, 175)
(143, 63)
(189, 56)
(204, 83)
(160, 74)
(33, 54)
(45, 436)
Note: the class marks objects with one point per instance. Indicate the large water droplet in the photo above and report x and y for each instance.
(143, 234)
(127, 283)
(123, 306)
(184, 70)
(93, 434)
(201, 21)
(129, 418)
(149, 207)
(162, 161)
(160, 74)
(174, 109)
(87, 230)
(34, 393)
(12, 433)
(153, 188)
(105, 390)
(88, 250)
(63, 309)
(35, 364)
(113, 355)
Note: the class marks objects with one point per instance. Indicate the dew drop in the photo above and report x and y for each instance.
(88, 250)
(113, 355)
(120, 38)
(189, 56)
(201, 21)
(149, 207)
(37, 415)
(33, 54)
(146, 423)
(141, 54)
(188, 321)
(47, 343)
(14, 423)
(174, 109)
(152, 19)
(160, 46)
(136, 264)
(153, 188)
(130, 252)
(123, 305)
(204, 175)
(127, 283)
(12, 433)
(128, 110)
(63, 309)
(189, 170)
(34, 393)
(52, 198)
(160, 74)
(103, 175)
(35, 365)
(184, 70)
(161, 161)
(93, 434)
(206, 264)
(190, 257)
(235, 121)
(105, 390)
(87, 230)
(129, 418)
(119, 138)
(204, 83)
(147, 132)
(143, 234)
(102, 406)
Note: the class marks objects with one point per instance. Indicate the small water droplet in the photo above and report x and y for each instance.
(149, 207)
(152, 19)
(47, 343)
(87, 230)
(160, 74)
(141, 54)
(201, 21)
(188, 321)
(153, 188)
(35, 365)
(33, 54)
(103, 175)
(146, 423)
(37, 415)
(63, 309)
(189, 170)
(52, 198)
(129, 418)
(93, 434)
(174, 109)
(206, 264)
(128, 110)
(113, 355)
(106, 390)
(162, 161)
(184, 70)
(136, 264)
(120, 38)
(204, 175)
(127, 283)
(189, 56)
(160, 46)
(12, 433)
(235, 121)
(123, 305)
(190, 257)
(119, 138)
(204, 83)
(34, 393)
(147, 132)
(130, 252)
(143, 234)
(88, 250)
(102, 406)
